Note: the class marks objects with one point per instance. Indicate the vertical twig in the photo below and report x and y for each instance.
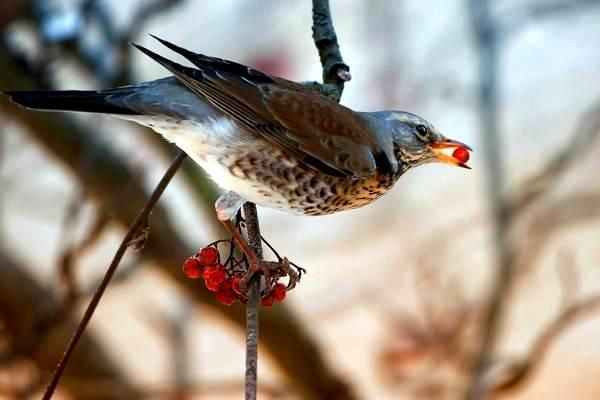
(335, 71)
(253, 304)
(486, 37)
(131, 234)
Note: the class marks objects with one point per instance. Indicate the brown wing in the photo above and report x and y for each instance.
(324, 129)
(312, 128)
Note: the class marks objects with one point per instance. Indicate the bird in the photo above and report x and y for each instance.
(265, 139)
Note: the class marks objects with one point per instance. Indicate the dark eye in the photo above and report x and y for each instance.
(421, 131)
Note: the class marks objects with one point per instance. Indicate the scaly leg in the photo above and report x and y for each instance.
(227, 207)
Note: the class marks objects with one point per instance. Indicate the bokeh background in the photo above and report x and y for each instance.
(399, 294)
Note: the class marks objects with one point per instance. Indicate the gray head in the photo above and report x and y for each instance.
(417, 141)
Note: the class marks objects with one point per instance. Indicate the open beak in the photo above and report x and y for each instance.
(439, 147)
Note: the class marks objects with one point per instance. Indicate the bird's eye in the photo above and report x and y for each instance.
(421, 131)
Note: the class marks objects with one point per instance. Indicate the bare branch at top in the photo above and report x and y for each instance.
(335, 70)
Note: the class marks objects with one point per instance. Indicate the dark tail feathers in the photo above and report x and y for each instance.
(70, 100)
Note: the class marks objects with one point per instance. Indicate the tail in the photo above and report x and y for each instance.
(74, 100)
(161, 97)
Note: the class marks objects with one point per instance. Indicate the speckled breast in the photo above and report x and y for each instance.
(278, 181)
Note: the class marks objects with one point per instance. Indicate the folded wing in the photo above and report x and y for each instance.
(313, 128)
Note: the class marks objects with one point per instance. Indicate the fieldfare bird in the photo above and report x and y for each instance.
(266, 139)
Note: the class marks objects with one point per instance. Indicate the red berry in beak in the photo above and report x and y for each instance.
(192, 268)
(461, 154)
(208, 256)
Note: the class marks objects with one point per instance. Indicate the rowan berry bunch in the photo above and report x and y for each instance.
(224, 278)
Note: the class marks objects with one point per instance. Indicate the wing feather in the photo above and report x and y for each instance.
(312, 128)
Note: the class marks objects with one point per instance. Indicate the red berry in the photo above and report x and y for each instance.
(208, 271)
(235, 283)
(226, 283)
(192, 268)
(219, 273)
(268, 300)
(226, 296)
(214, 277)
(213, 285)
(208, 256)
(461, 154)
(278, 292)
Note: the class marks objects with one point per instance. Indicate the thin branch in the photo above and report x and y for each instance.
(141, 219)
(557, 216)
(335, 71)
(253, 304)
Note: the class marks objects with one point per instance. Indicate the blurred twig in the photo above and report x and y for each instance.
(486, 36)
(171, 327)
(525, 369)
(29, 314)
(537, 185)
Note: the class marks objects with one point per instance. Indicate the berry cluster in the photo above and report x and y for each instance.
(224, 279)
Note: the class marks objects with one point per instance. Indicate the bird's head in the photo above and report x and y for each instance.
(416, 141)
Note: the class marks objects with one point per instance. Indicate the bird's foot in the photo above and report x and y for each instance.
(272, 271)
(230, 276)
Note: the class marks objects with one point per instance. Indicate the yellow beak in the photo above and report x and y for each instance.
(438, 148)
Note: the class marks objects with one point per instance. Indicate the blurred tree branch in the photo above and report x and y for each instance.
(523, 14)
(38, 330)
(118, 190)
(521, 372)
(486, 37)
(504, 213)
(537, 185)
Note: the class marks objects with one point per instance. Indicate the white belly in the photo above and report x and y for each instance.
(206, 143)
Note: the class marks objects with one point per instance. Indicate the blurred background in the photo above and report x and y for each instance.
(485, 281)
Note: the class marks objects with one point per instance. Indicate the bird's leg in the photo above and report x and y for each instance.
(227, 207)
